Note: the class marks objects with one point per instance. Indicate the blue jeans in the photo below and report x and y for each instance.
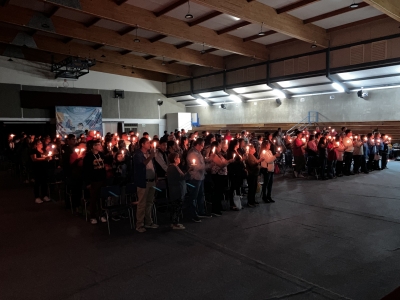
(267, 185)
(195, 199)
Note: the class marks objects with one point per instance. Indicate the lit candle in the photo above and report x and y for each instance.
(194, 162)
(356, 137)
(117, 138)
(137, 134)
(247, 132)
(337, 143)
(264, 152)
(329, 137)
(247, 149)
(213, 150)
(154, 146)
(177, 142)
(274, 141)
(390, 138)
(279, 149)
(207, 133)
(329, 127)
(52, 146)
(94, 132)
(12, 135)
(333, 130)
(115, 134)
(307, 135)
(303, 139)
(102, 138)
(50, 153)
(129, 138)
(123, 152)
(290, 140)
(76, 150)
(365, 139)
(226, 142)
(82, 150)
(110, 145)
(315, 132)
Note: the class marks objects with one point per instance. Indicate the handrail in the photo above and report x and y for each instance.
(304, 123)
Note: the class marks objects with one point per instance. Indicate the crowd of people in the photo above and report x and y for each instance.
(194, 166)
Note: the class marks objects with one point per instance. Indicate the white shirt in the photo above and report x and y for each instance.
(269, 159)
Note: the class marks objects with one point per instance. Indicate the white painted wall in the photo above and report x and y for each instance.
(38, 74)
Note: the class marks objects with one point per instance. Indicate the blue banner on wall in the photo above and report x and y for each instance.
(77, 119)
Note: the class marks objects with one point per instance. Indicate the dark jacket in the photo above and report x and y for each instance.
(176, 182)
(94, 167)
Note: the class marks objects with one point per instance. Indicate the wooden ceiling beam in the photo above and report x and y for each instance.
(170, 7)
(131, 15)
(147, 57)
(52, 45)
(232, 27)
(46, 57)
(205, 18)
(125, 52)
(334, 13)
(257, 36)
(388, 7)
(52, 12)
(71, 29)
(294, 6)
(172, 62)
(257, 13)
(210, 50)
(98, 46)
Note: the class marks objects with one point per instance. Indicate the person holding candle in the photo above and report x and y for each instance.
(219, 173)
(75, 178)
(384, 151)
(348, 152)
(40, 167)
(322, 156)
(364, 157)
(195, 199)
(267, 159)
(358, 153)
(332, 158)
(94, 175)
(176, 188)
(339, 149)
(298, 153)
(236, 172)
(253, 170)
(378, 150)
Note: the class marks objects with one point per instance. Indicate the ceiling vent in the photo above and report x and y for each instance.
(379, 50)
(357, 55)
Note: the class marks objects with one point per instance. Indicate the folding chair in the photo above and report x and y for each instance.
(110, 202)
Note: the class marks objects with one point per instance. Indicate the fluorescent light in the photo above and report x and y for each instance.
(377, 88)
(240, 90)
(346, 76)
(205, 95)
(338, 87)
(202, 102)
(235, 18)
(314, 94)
(261, 99)
(279, 93)
(235, 98)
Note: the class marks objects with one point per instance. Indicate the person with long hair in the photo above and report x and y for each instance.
(236, 171)
(267, 170)
(219, 173)
(253, 169)
(323, 156)
(39, 166)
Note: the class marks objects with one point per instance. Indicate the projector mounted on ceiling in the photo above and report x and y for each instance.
(362, 94)
(72, 67)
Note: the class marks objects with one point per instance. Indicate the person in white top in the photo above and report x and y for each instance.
(348, 152)
(267, 169)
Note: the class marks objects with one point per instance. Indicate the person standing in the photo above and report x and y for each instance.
(267, 169)
(94, 174)
(144, 177)
(253, 169)
(298, 154)
(197, 174)
(40, 165)
(358, 153)
(348, 152)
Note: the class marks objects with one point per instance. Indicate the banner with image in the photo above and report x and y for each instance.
(77, 119)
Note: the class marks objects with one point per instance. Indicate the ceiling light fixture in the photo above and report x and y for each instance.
(354, 4)
(202, 102)
(279, 93)
(203, 51)
(163, 61)
(261, 33)
(136, 40)
(133, 72)
(338, 87)
(235, 98)
(314, 45)
(188, 15)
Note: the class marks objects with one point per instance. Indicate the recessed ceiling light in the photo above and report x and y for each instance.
(261, 33)
(136, 40)
(314, 45)
(235, 18)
